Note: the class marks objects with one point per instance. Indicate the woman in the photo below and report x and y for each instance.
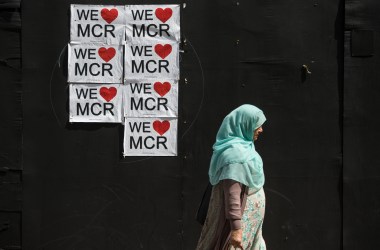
(237, 205)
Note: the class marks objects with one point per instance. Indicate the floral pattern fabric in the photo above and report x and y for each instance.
(252, 222)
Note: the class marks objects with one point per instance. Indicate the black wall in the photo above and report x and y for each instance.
(361, 119)
(10, 125)
(79, 193)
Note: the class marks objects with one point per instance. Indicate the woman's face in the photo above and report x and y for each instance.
(256, 133)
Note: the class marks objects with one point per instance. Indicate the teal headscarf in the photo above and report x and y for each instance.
(234, 154)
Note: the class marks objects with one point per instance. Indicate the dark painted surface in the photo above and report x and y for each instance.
(361, 131)
(81, 194)
(362, 42)
(10, 125)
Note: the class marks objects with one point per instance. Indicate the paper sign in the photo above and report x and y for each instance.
(147, 98)
(151, 60)
(150, 137)
(95, 63)
(96, 103)
(137, 45)
(97, 23)
(152, 22)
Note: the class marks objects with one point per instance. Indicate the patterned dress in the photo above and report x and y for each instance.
(251, 221)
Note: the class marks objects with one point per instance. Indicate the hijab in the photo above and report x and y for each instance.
(234, 155)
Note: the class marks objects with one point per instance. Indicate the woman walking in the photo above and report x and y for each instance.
(237, 205)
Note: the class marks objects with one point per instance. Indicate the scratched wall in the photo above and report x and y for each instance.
(361, 125)
(10, 125)
(79, 193)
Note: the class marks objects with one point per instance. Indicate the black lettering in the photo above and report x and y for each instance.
(161, 140)
(146, 142)
(107, 67)
(134, 145)
(108, 28)
(147, 66)
(78, 70)
(83, 13)
(139, 68)
(84, 111)
(146, 103)
(134, 127)
(84, 33)
(96, 30)
(108, 107)
(136, 32)
(162, 102)
(82, 92)
(146, 127)
(138, 106)
(148, 14)
(147, 88)
(93, 69)
(94, 15)
(92, 109)
(135, 86)
(93, 93)
(93, 30)
(93, 73)
(80, 53)
(141, 50)
(148, 50)
(138, 14)
(92, 54)
(150, 32)
(164, 28)
(137, 49)
(163, 64)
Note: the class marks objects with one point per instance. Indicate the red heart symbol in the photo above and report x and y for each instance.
(106, 54)
(162, 88)
(108, 93)
(161, 127)
(109, 15)
(163, 50)
(163, 14)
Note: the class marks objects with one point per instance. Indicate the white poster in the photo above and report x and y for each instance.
(96, 103)
(95, 63)
(152, 22)
(150, 137)
(147, 98)
(98, 23)
(151, 60)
